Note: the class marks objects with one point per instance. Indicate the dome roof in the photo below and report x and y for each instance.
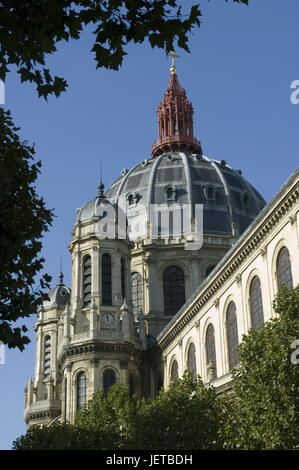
(194, 179)
(95, 207)
(186, 179)
(59, 296)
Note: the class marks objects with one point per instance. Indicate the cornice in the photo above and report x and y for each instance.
(91, 347)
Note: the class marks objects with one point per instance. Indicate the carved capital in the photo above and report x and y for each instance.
(263, 251)
(238, 279)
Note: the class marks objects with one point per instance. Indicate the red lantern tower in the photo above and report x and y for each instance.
(175, 120)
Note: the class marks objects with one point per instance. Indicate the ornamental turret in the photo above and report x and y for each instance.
(175, 120)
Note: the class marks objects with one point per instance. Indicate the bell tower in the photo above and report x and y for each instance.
(175, 120)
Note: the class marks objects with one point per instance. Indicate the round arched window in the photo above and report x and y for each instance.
(109, 379)
(232, 335)
(81, 389)
(256, 304)
(174, 374)
(192, 361)
(211, 349)
(283, 269)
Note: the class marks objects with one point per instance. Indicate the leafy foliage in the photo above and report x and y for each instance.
(64, 437)
(187, 416)
(31, 29)
(264, 412)
(23, 219)
(116, 414)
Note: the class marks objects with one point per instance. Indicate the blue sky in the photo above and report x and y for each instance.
(238, 77)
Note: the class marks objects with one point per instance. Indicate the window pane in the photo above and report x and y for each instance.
(192, 361)
(256, 304)
(106, 280)
(284, 270)
(210, 347)
(174, 289)
(174, 371)
(232, 335)
(81, 389)
(108, 379)
(137, 293)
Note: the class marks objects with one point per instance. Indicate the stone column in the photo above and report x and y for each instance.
(69, 407)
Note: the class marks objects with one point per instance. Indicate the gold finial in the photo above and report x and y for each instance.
(173, 68)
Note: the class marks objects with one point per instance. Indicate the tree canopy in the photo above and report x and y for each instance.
(23, 219)
(186, 416)
(32, 29)
(264, 411)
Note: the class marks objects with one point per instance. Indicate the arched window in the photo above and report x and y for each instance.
(109, 379)
(137, 293)
(106, 280)
(81, 389)
(123, 277)
(232, 335)
(211, 349)
(132, 385)
(47, 356)
(174, 289)
(256, 304)
(174, 374)
(192, 361)
(283, 269)
(86, 281)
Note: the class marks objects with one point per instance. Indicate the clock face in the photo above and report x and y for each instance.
(108, 319)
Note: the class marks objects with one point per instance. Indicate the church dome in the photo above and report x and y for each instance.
(96, 207)
(226, 196)
(178, 172)
(59, 296)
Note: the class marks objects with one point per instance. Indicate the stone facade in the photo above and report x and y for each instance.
(253, 255)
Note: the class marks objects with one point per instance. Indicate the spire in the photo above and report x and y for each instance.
(101, 185)
(173, 67)
(60, 283)
(175, 119)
